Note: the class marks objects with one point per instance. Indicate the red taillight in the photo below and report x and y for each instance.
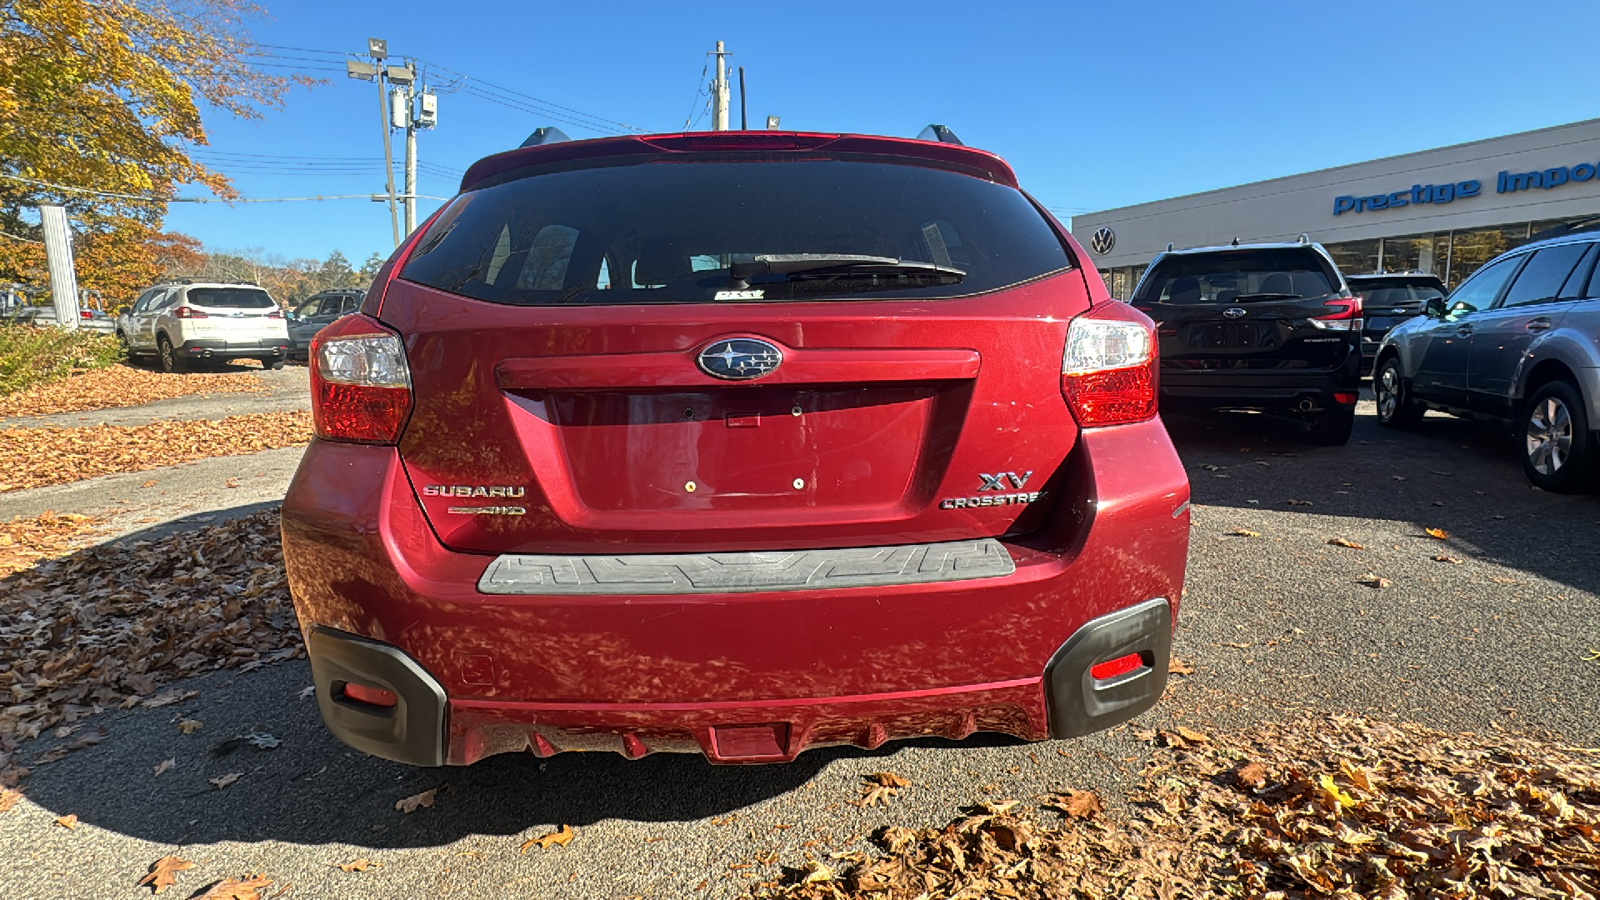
(1111, 668)
(369, 695)
(85, 314)
(1346, 315)
(360, 382)
(189, 312)
(275, 314)
(1108, 372)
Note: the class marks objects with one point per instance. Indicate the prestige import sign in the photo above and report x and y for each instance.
(1505, 183)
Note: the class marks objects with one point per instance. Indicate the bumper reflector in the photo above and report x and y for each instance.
(1111, 668)
(1344, 399)
(369, 695)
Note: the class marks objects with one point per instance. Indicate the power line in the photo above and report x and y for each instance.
(699, 89)
(155, 199)
(18, 237)
(612, 123)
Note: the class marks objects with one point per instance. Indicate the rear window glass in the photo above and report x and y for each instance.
(230, 298)
(1231, 276)
(1394, 294)
(693, 231)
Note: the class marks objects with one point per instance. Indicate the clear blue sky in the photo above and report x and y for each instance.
(1096, 105)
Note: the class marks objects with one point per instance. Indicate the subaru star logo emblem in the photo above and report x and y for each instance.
(739, 359)
(1102, 240)
(1233, 312)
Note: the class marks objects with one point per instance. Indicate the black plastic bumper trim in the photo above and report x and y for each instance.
(1079, 704)
(259, 347)
(412, 731)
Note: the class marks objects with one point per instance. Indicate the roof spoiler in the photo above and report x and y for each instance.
(939, 134)
(550, 135)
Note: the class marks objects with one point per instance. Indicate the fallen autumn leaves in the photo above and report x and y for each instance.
(24, 540)
(120, 386)
(35, 457)
(1340, 808)
(106, 627)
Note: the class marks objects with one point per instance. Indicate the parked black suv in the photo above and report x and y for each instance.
(1387, 299)
(1270, 327)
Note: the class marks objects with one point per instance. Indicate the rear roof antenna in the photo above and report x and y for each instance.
(1236, 242)
(1305, 238)
(549, 135)
(1169, 246)
(940, 134)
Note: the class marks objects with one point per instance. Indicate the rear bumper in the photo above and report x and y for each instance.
(227, 349)
(740, 677)
(1259, 389)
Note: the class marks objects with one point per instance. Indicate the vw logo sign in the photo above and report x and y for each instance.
(1102, 240)
(739, 359)
(1233, 312)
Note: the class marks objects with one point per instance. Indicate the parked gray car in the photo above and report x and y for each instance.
(314, 314)
(1517, 341)
(45, 316)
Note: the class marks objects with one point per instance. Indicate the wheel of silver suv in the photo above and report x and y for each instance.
(1394, 409)
(1549, 436)
(1556, 439)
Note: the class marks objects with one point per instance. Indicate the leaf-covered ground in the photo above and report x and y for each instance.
(108, 626)
(36, 457)
(1341, 808)
(122, 385)
(24, 540)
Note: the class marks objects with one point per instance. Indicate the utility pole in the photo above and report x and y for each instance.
(744, 109)
(411, 170)
(58, 256)
(719, 93)
(414, 112)
(378, 49)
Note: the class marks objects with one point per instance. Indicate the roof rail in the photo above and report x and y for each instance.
(547, 135)
(939, 134)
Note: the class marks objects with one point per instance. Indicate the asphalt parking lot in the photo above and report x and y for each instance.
(1277, 623)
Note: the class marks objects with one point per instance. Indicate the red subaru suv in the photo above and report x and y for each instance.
(739, 443)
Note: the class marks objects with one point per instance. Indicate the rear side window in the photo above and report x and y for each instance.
(690, 231)
(230, 298)
(1237, 276)
(1541, 279)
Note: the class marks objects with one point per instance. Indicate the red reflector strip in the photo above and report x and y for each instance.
(369, 695)
(1345, 399)
(1111, 668)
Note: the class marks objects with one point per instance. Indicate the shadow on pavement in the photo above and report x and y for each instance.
(1462, 476)
(311, 789)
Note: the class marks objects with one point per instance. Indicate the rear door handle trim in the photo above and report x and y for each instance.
(1537, 325)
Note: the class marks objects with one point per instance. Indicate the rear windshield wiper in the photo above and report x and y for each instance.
(828, 264)
(1243, 298)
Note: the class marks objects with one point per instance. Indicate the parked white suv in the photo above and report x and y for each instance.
(179, 323)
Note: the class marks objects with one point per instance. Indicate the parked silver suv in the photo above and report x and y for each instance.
(1518, 341)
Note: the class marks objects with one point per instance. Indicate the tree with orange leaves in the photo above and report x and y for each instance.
(105, 96)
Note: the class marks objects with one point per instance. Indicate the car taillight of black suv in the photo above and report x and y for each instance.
(1269, 327)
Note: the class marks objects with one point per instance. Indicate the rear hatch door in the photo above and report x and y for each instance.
(235, 314)
(1246, 309)
(655, 373)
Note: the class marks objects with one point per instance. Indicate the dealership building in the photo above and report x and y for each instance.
(1445, 211)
